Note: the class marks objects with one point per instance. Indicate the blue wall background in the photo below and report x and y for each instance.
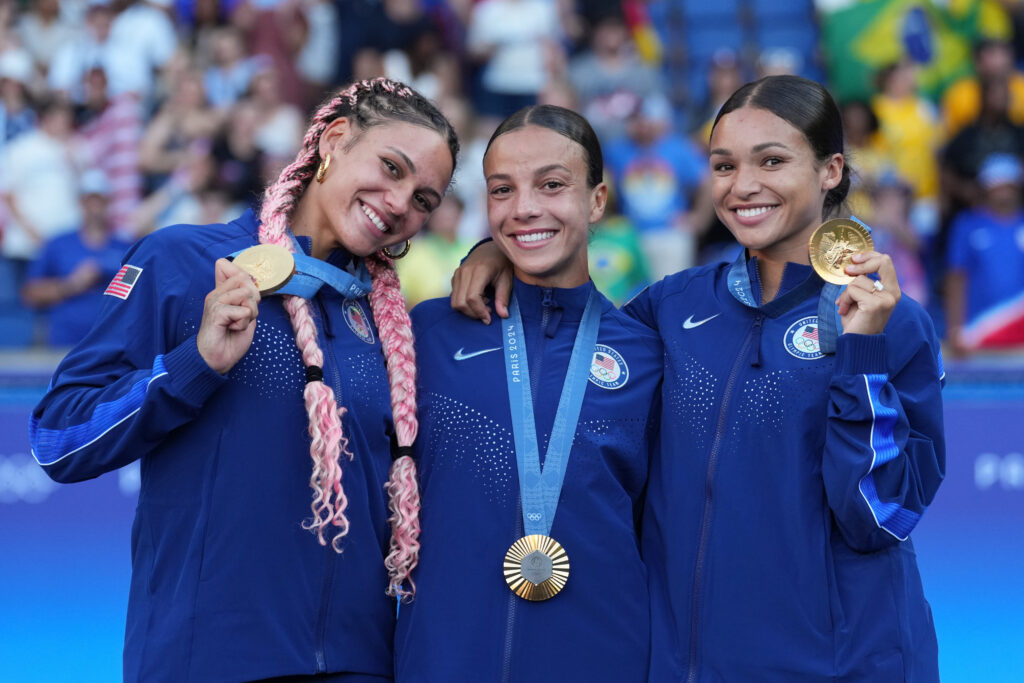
(64, 550)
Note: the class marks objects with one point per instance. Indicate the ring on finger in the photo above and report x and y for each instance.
(877, 284)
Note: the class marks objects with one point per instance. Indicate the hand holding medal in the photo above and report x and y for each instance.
(271, 266)
(842, 252)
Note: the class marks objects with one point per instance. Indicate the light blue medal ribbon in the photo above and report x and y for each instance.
(312, 273)
(540, 490)
(830, 325)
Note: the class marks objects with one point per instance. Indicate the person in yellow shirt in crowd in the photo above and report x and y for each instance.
(426, 271)
(909, 127)
(961, 102)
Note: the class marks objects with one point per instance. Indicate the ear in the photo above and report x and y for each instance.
(338, 133)
(598, 201)
(832, 172)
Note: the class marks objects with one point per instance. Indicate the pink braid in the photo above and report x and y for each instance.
(327, 441)
(403, 490)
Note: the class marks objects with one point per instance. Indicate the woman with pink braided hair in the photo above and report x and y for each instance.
(248, 561)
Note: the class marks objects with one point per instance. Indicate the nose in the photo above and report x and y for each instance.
(746, 181)
(526, 206)
(398, 199)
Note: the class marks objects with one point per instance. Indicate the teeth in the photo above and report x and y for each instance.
(374, 218)
(534, 236)
(750, 213)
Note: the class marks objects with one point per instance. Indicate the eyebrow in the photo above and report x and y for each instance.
(756, 148)
(412, 169)
(538, 172)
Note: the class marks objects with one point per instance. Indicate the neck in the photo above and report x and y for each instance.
(303, 224)
(769, 272)
(555, 281)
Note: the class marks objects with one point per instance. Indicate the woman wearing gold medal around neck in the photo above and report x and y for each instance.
(801, 433)
(534, 443)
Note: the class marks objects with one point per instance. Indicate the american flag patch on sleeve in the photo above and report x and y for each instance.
(121, 285)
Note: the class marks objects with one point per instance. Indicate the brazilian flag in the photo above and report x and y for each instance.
(861, 38)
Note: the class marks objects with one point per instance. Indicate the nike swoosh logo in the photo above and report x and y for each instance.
(459, 355)
(689, 323)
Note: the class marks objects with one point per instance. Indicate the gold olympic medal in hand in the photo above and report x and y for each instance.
(270, 265)
(536, 567)
(833, 243)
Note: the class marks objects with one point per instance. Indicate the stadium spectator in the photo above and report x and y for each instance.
(891, 199)
(280, 124)
(962, 101)
(985, 281)
(69, 275)
(661, 180)
(226, 79)
(426, 272)
(860, 125)
(512, 42)
(992, 132)
(183, 119)
(43, 29)
(144, 28)
(38, 185)
(127, 69)
(108, 137)
(16, 113)
(909, 128)
(610, 80)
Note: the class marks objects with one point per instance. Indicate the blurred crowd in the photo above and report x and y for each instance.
(118, 117)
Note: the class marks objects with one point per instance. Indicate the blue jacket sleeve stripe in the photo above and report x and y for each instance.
(891, 517)
(50, 446)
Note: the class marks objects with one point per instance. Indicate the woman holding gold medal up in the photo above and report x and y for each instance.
(534, 443)
(249, 561)
(801, 432)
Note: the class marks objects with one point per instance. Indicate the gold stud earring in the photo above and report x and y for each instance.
(321, 170)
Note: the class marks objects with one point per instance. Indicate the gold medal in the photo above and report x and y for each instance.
(536, 567)
(833, 243)
(270, 265)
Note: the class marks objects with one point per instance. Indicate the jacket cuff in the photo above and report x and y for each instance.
(192, 379)
(859, 354)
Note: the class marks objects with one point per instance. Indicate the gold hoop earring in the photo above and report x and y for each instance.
(321, 170)
(395, 257)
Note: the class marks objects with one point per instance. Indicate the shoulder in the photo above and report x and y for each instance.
(185, 243)
(662, 297)
(691, 279)
(432, 313)
(612, 319)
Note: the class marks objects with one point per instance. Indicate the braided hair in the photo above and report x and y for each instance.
(366, 104)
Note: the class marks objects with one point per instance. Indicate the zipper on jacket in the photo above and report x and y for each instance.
(536, 355)
(755, 351)
(330, 557)
(510, 621)
(753, 335)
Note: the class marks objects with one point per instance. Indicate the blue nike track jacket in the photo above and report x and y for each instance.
(226, 584)
(778, 514)
(465, 623)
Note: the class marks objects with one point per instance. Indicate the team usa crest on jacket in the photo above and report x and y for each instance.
(607, 368)
(358, 321)
(802, 339)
